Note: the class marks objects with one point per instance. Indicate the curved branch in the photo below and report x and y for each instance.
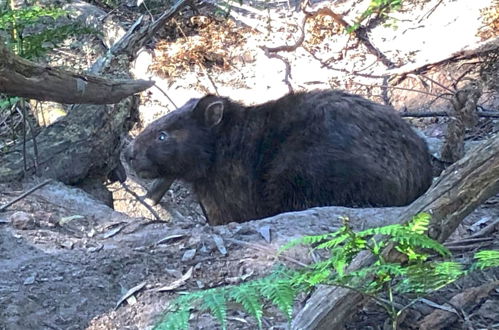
(20, 77)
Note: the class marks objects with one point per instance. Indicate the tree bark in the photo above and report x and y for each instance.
(456, 193)
(86, 143)
(20, 77)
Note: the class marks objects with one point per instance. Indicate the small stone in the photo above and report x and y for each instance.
(67, 245)
(188, 255)
(265, 232)
(22, 220)
(220, 244)
(30, 280)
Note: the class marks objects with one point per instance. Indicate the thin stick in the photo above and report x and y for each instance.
(266, 250)
(445, 114)
(469, 240)
(164, 93)
(141, 201)
(486, 230)
(401, 88)
(4, 207)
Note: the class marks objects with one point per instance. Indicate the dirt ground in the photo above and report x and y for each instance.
(67, 260)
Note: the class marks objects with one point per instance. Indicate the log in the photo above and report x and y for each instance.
(20, 77)
(456, 193)
(87, 142)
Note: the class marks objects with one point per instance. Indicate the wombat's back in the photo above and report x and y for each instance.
(313, 149)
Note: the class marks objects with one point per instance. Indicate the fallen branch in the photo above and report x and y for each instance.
(470, 51)
(464, 103)
(360, 34)
(494, 114)
(23, 195)
(287, 73)
(460, 189)
(20, 77)
(140, 200)
(86, 142)
(440, 319)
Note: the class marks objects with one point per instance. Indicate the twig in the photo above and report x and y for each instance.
(326, 64)
(287, 74)
(428, 14)
(207, 74)
(141, 201)
(266, 250)
(445, 114)
(289, 48)
(471, 51)
(469, 240)
(4, 207)
(468, 247)
(486, 230)
(25, 161)
(164, 93)
(360, 33)
(401, 88)
(33, 137)
(437, 83)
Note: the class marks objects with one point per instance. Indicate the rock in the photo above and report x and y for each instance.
(23, 221)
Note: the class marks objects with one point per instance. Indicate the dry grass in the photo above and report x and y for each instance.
(199, 41)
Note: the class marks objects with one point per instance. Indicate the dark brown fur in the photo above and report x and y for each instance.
(303, 150)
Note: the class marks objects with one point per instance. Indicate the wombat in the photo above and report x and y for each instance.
(303, 150)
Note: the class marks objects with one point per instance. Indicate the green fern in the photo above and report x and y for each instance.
(215, 301)
(309, 240)
(416, 276)
(486, 259)
(380, 8)
(248, 296)
(175, 320)
(279, 290)
(430, 276)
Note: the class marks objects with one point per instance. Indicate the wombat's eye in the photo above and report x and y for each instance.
(162, 136)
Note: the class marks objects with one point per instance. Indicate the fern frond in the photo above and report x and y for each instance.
(415, 240)
(340, 260)
(390, 230)
(178, 320)
(281, 293)
(430, 276)
(486, 259)
(214, 300)
(308, 240)
(419, 223)
(248, 296)
(332, 243)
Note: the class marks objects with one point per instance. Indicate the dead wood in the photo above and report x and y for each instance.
(491, 114)
(87, 142)
(23, 195)
(20, 77)
(470, 51)
(456, 193)
(440, 319)
(360, 33)
(463, 116)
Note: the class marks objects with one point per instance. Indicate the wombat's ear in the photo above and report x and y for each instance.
(213, 113)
